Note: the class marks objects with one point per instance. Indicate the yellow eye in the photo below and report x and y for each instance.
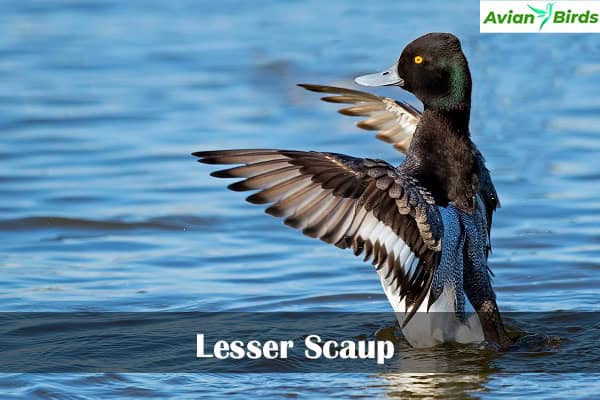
(418, 60)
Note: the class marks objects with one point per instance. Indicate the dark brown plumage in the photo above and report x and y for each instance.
(329, 196)
(393, 215)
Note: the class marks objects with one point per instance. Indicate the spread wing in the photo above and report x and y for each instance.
(363, 204)
(396, 122)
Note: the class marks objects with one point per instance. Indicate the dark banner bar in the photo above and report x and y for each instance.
(282, 342)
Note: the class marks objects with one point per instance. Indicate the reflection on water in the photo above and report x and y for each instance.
(103, 208)
(427, 385)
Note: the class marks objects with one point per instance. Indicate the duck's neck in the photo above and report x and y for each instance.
(442, 157)
(454, 121)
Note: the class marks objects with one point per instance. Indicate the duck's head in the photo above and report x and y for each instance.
(433, 68)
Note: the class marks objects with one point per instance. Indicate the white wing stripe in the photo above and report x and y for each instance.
(413, 266)
(367, 227)
(404, 255)
(409, 265)
(389, 238)
(393, 245)
(398, 246)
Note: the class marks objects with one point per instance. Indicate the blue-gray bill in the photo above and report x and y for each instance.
(388, 77)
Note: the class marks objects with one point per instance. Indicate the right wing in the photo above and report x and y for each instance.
(395, 121)
(364, 204)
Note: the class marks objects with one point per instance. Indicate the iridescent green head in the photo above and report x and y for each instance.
(433, 68)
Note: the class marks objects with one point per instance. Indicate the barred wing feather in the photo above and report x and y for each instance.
(363, 204)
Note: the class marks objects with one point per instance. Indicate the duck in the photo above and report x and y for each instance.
(425, 224)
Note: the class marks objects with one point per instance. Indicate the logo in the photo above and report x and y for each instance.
(535, 16)
(545, 15)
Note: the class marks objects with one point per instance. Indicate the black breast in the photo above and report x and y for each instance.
(444, 160)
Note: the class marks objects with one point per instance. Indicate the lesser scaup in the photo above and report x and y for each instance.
(425, 223)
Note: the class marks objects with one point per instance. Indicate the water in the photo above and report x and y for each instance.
(103, 208)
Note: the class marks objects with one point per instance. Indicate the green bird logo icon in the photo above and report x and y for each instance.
(545, 14)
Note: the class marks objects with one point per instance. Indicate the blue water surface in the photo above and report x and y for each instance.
(104, 209)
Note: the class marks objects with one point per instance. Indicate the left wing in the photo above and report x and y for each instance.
(364, 204)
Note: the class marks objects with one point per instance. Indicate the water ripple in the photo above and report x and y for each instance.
(103, 208)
